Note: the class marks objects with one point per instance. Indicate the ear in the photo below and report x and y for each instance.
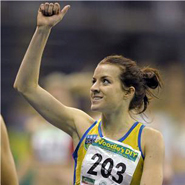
(130, 91)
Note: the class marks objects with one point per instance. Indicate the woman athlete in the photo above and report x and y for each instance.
(115, 149)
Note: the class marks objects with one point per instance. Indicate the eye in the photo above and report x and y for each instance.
(106, 82)
(93, 81)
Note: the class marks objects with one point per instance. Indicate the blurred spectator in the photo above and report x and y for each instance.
(49, 161)
(176, 108)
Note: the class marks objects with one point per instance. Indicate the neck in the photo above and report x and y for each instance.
(115, 123)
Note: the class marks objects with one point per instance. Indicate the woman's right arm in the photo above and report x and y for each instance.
(70, 120)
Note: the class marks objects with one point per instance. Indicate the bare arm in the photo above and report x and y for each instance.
(154, 157)
(70, 120)
(8, 173)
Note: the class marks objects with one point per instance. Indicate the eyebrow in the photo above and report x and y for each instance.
(105, 76)
(102, 77)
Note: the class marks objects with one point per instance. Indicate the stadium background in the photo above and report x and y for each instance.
(152, 33)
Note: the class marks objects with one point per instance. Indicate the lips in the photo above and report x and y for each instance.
(97, 97)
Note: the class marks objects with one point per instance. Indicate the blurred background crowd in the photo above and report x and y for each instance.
(149, 32)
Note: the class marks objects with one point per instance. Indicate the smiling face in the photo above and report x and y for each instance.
(107, 94)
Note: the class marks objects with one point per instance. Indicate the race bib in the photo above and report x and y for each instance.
(109, 162)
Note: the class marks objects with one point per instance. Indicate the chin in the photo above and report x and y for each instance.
(95, 108)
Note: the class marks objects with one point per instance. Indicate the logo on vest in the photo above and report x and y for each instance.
(89, 140)
(116, 148)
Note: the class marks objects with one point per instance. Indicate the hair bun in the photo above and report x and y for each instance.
(151, 78)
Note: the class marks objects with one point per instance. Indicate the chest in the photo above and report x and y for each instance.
(100, 160)
(109, 162)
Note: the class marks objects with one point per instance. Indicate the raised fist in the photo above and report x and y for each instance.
(49, 14)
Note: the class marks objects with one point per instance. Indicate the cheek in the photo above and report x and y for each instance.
(118, 90)
(115, 96)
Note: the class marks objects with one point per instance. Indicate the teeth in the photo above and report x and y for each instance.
(97, 98)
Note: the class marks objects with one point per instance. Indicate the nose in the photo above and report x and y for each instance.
(95, 88)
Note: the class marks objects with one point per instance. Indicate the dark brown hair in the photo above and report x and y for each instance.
(141, 79)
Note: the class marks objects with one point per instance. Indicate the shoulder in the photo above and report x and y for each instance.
(152, 139)
(152, 133)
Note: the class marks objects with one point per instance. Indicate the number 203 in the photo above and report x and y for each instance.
(107, 172)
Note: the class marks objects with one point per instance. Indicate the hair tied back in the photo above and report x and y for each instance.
(151, 78)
